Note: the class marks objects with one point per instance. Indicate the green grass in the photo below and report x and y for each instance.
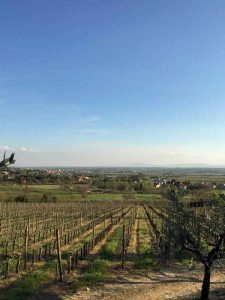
(29, 283)
(44, 186)
(114, 197)
(148, 197)
(34, 193)
(145, 257)
(97, 273)
(109, 251)
(145, 260)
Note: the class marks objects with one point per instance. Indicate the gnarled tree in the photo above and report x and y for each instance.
(200, 231)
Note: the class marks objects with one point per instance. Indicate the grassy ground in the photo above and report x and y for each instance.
(34, 193)
(100, 270)
(97, 273)
(109, 258)
(145, 255)
(25, 286)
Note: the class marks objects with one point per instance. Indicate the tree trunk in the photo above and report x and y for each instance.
(206, 284)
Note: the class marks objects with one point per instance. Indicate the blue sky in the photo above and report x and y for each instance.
(115, 82)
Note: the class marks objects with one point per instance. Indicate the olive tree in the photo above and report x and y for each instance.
(200, 231)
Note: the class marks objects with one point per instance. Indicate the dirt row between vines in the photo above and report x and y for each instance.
(13, 279)
(173, 281)
(62, 290)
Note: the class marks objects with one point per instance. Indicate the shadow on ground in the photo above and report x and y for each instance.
(46, 295)
(215, 294)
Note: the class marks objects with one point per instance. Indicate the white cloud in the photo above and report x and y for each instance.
(111, 154)
(25, 149)
(6, 148)
(116, 154)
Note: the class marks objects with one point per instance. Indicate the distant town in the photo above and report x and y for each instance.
(109, 181)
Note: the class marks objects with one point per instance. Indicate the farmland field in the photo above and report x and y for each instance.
(35, 193)
(69, 250)
(111, 237)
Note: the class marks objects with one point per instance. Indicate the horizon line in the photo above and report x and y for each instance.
(199, 166)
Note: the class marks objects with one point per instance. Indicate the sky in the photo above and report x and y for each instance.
(112, 83)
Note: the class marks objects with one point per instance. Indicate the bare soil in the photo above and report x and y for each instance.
(172, 283)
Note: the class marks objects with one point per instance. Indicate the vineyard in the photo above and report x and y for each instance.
(83, 244)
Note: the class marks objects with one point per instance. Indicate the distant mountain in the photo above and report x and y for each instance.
(203, 166)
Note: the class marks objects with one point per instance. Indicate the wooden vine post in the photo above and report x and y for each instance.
(7, 268)
(123, 247)
(80, 219)
(93, 229)
(18, 265)
(59, 255)
(104, 220)
(25, 247)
